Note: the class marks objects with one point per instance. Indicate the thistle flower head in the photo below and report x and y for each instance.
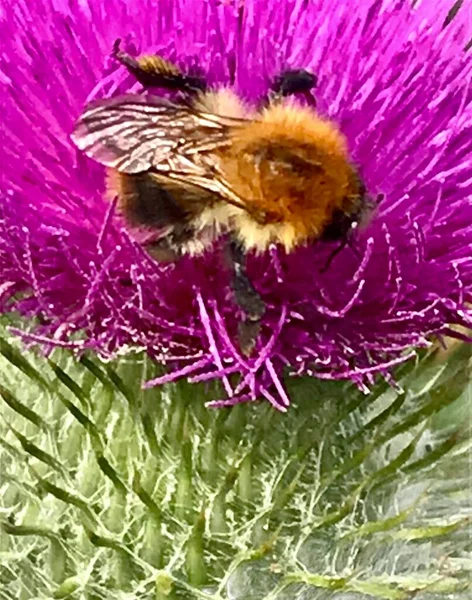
(391, 75)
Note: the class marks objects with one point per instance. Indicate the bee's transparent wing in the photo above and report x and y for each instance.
(135, 133)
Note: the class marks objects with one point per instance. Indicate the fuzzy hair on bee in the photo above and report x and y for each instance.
(206, 164)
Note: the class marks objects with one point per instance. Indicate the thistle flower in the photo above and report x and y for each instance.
(394, 79)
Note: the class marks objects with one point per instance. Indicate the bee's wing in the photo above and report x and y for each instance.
(135, 133)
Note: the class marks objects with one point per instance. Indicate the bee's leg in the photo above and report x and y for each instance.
(247, 298)
(163, 251)
(171, 247)
(291, 82)
(294, 82)
(154, 71)
(333, 255)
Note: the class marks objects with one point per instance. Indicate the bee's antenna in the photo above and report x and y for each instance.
(379, 198)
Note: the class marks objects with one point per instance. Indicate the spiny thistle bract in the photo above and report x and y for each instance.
(109, 491)
(394, 76)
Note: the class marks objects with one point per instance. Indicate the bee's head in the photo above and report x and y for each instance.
(355, 213)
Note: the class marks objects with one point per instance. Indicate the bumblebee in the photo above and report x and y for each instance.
(205, 164)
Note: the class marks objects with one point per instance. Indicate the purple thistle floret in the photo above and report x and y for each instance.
(396, 81)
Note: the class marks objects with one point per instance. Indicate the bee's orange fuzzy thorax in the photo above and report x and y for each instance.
(292, 168)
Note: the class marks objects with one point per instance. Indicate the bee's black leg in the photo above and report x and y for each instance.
(162, 251)
(155, 71)
(333, 255)
(291, 82)
(247, 298)
(170, 248)
(294, 81)
(346, 241)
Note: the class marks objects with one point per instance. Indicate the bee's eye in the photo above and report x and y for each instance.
(340, 225)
